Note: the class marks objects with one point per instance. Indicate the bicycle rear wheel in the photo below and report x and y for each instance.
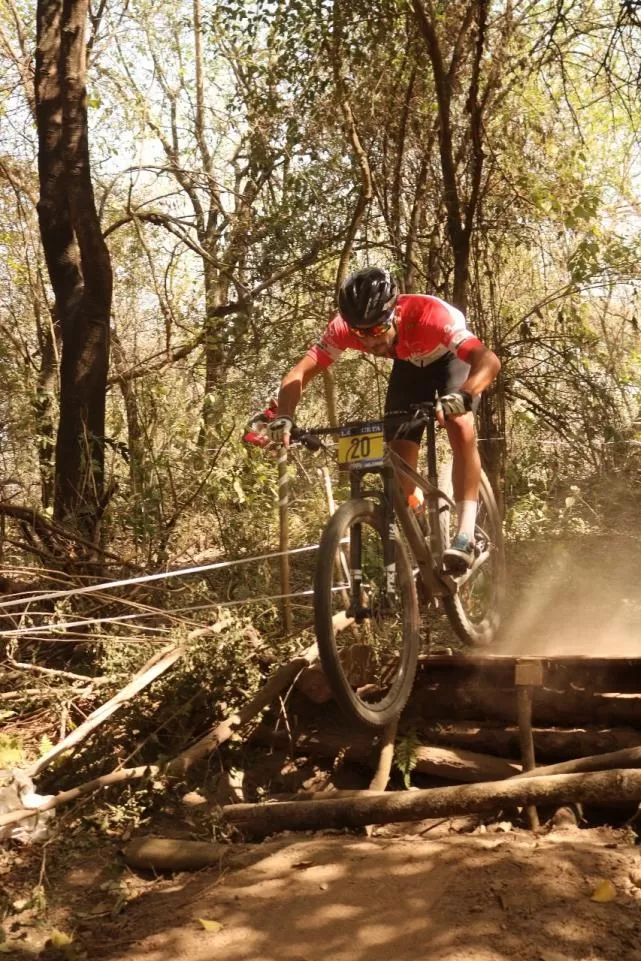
(475, 610)
(370, 664)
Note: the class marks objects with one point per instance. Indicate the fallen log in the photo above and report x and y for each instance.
(449, 763)
(567, 672)
(599, 788)
(157, 665)
(549, 707)
(355, 744)
(629, 758)
(171, 854)
(179, 765)
(553, 744)
(280, 679)
(468, 767)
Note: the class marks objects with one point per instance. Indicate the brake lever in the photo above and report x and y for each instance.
(310, 441)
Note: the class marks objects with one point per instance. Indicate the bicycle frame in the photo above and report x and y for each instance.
(394, 504)
(427, 554)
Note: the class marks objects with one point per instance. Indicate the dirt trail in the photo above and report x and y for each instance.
(490, 897)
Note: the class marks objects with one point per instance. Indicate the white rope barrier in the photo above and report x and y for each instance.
(276, 597)
(147, 578)
(67, 625)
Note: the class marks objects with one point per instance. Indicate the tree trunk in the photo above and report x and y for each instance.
(139, 504)
(584, 675)
(468, 767)
(45, 400)
(77, 259)
(358, 747)
(214, 358)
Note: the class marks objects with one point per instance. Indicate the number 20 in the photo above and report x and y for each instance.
(359, 448)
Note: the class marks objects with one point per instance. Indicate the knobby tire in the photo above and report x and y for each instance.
(375, 714)
(476, 631)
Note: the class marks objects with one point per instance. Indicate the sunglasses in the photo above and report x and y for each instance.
(375, 331)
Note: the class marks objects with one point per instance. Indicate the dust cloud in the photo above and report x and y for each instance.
(582, 598)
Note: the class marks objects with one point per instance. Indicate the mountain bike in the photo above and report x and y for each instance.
(376, 550)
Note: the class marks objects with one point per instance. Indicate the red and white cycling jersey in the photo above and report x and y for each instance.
(427, 329)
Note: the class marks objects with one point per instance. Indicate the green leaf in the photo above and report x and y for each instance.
(405, 756)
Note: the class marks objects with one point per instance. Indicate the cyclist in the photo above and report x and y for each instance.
(434, 354)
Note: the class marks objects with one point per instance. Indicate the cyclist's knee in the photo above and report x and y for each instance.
(461, 432)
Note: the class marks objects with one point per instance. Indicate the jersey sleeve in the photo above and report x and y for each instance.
(454, 332)
(466, 347)
(333, 341)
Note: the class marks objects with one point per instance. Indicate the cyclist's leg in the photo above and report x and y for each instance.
(466, 473)
(405, 387)
(466, 469)
(466, 479)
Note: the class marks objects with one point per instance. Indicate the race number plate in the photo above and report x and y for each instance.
(361, 446)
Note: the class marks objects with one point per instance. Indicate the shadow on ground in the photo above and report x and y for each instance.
(494, 897)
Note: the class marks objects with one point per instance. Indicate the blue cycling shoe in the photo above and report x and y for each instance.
(459, 556)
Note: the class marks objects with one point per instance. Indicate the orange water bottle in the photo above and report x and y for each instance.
(416, 503)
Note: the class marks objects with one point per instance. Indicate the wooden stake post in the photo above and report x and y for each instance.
(283, 514)
(527, 675)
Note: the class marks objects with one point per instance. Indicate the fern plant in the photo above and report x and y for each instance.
(405, 756)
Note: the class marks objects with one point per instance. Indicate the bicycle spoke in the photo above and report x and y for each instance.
(368, 641)
(369, 646)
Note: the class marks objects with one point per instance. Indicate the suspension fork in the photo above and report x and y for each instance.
(433, 504)
(389, 534)
(356, 607)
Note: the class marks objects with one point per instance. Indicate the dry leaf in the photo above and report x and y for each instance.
(604, 891)
(61, 941)
(212, 926)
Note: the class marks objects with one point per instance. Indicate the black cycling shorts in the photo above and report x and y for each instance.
(409, 384)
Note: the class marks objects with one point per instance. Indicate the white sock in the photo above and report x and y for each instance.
(466, 514)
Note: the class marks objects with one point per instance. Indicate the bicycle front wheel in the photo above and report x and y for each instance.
(369, 660)
(475, 610)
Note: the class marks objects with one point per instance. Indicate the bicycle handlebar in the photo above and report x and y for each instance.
(307, 438)
(416, 415)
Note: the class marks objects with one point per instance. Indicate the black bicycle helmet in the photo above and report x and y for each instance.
(367, 297)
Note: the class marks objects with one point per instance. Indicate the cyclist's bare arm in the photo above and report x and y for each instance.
(294, 383)
(484, 366)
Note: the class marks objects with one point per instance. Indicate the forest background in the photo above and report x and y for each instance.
(182, 189)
